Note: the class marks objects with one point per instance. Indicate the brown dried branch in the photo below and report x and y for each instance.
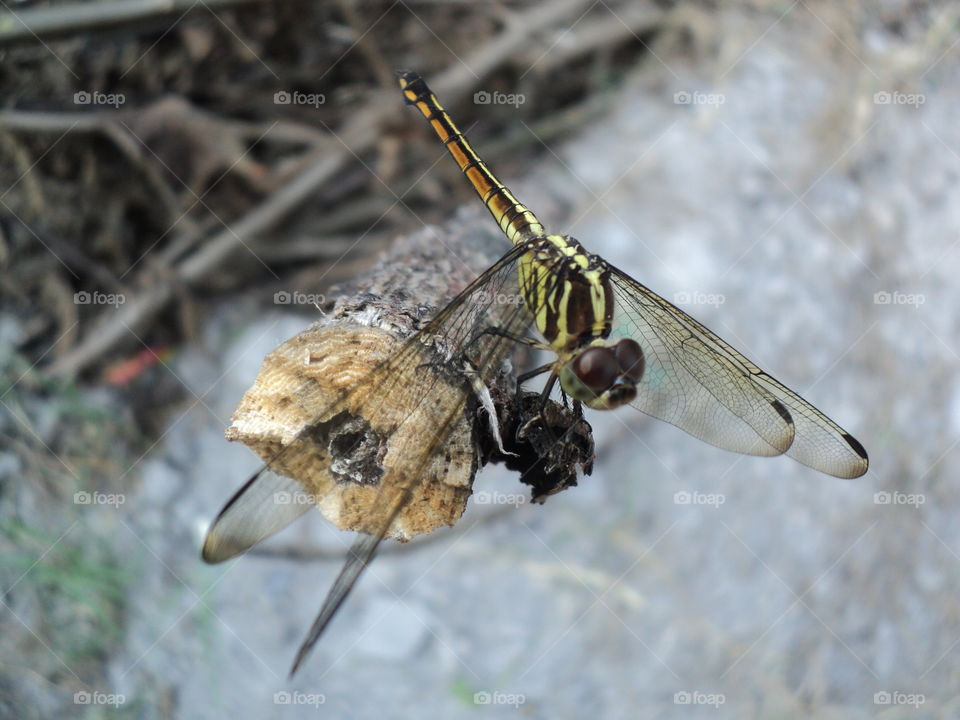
(605, 31)
(394, 415)
(357, 136)
(107, 124)
(47, 22)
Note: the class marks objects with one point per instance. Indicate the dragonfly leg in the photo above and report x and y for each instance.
(577, 409)
(542, 403)
(518, 395)
(521, 379)
(500, 332)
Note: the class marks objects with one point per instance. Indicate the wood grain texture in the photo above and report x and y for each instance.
(300, 383)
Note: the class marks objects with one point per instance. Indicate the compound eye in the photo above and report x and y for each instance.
(597, 368)
(630, 359)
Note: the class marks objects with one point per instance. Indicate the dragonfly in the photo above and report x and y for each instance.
(613, 342)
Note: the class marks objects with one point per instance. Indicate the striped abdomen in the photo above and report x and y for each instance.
(516, 221)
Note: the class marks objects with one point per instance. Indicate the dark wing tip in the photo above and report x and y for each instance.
(782, 411)
(791, 424)
(301, 656)
(360, 555)
(855, 444)
(214, 549)
(860, 451)
(207, 554)
(212, 553)
(327, 612)
(220, 545)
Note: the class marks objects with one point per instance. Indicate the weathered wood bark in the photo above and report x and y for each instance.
(339, 377)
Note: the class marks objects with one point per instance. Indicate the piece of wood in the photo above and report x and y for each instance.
(367, 426)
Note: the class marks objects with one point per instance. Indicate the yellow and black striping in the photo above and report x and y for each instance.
(564, 286)
(516, 221)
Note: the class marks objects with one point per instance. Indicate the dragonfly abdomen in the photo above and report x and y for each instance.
(516, 221)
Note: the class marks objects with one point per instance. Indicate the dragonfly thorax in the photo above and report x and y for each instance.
(568, 291)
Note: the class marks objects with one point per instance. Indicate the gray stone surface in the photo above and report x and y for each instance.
(783, 215)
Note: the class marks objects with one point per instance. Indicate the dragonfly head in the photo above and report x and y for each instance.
(604, 377)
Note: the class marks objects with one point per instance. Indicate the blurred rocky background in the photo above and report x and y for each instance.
(175, 177)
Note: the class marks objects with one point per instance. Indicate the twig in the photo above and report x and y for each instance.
(115, 327)
(76, 258)
(43, 23)
(606, 31)
(378, 64)
(305, 247)
(358, 135)
(106, 124)
(456, 79)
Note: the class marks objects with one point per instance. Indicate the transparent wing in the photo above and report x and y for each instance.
(358, 557)
(398, 383)
(485, 354)
(251, 515)
(696, 381)
(265, 505)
